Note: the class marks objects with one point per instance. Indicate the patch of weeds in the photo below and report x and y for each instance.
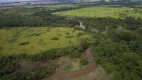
(35, 34)
(73, 30)
(74, 60)
(68, 67)
(70, 42)
(15, 35)
(67, 33)
(58, 30)
(55, 38)
(79, 34)
(59, 35)
(83, 63)
(69, 37)
(41, 40)
(1, 48)
(23, 43)
(11, 40)
(48, 30)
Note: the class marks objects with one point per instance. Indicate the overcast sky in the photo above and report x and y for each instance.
(15, 0)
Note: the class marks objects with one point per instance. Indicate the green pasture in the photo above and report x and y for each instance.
(55, 6)
(33, 40)
(103, 11)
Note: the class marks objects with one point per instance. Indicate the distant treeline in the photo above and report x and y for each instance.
(38, 18)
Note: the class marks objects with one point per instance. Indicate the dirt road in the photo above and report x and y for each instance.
(60, 75)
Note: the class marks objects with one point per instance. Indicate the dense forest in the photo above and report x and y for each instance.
(119, 48)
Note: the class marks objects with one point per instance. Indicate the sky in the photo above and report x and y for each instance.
(15, 0)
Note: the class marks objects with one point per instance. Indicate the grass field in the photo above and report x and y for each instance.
(98, 74)
(32, 40)
(103, 11)
(57, 6)
(73, 65)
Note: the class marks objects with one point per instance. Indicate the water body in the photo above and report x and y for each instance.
(15, 0)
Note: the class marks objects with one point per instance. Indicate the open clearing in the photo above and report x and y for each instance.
(103, 11)
(33, 40)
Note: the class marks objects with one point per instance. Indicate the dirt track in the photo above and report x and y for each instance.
(59, 75)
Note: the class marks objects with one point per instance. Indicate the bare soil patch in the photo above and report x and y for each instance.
(60, 75)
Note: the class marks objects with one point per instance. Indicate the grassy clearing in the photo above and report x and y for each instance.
(98, 74)
(74, 65)
(57, 6)
(33, 40)
(103, 11)
(68, 67)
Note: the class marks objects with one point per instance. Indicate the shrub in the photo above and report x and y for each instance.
(139, 30)
(35, 34)
(75, 54)
(83, 61)
(73, 30)
(11, 40)
(59, 35)
(23, 43)
(67, 33)
(55, 38)
(79, 34)
(0, 48)
(48, 30)
(69, 36)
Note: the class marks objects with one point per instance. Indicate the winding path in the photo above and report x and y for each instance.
(59, 75)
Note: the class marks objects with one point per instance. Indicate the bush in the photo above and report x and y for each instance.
(11, 40)
(48, 30)
(75, 54)
(67, 33)
(0, 48)
(139, 30)
(35, 34)
(83, 61)
(69, 36)
(23, 43)
(55, 38)
(79, 34)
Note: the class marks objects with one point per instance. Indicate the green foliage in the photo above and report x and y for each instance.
(55, 38)
(68, 67)
(122, 34)
(75, 54)
(23, 43)
(35, 34)
(119, 59)
(85, 44)
(19, 17)
(139, 30)
(79, 34)
(0, 48)
(9, 64)
(33, 75)
(84, 61)
(69, 36)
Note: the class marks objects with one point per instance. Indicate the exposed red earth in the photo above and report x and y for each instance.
(60, 75)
